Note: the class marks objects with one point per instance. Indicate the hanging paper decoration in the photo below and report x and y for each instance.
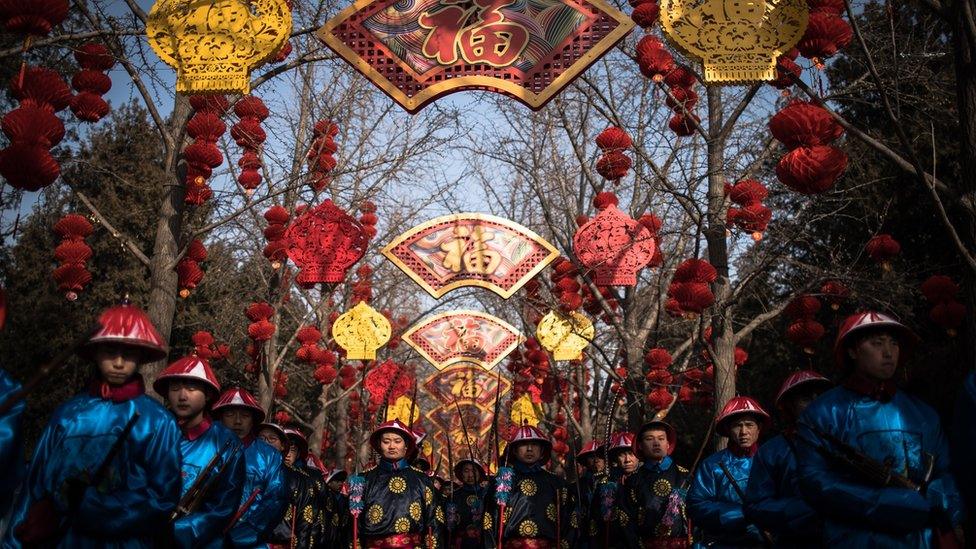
(320, 155)
(203, 155)
(419, 52)
(324, 243)
(565, 336)
(277, 248)
(368, 219)
(362, 289)
(188, 270)
(34, 129)
(462, 336)
(882, 248)
(286, 48)
(361, 331)
(261, 328)
(250, 136)
(72, 254)
(752, 216)
(614, 164)
(389, 380)
(763, 31)
(653, 59)
(214, 46)
(813, 165)
(690, 288)
(32, 18)
(947, 312)
(614, 247)
(804, 330)
(835, 292)
(470, 249)
(325, 371)
(524, 412)
(308, 338)
(826, 31)
(91, 82)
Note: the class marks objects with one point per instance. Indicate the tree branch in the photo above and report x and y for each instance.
(126, 241)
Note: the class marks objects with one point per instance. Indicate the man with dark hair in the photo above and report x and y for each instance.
(190, 389)
(714, 500)
(539, 513)
(873, 460)
(606, 516)
(655, 493)
(591, 464)
(773, 500)
(467, 506)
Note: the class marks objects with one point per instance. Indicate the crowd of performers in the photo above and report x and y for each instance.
(861, 464)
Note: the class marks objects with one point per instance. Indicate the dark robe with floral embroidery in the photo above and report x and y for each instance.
(602, 521)
(400, 507)
(539, 507)
(466, 531)
(654, 504)
(300, 526)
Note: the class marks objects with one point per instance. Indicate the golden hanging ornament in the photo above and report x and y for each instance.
(524, 412)
(565, 336)
(737, 41)
(404, 410)
(214, 45)
(361, 331)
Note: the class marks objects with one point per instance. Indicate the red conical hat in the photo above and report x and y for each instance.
(240, 398)
(619, 442)
(869, 320)
(737, 406)
(478, 465)
(528, 433)
(398, 427)
(188, 367)
(656, 425)
(590, 448)
(800, 378)
(126, 324)
(297, 437)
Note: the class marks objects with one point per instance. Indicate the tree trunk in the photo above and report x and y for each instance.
(162, 275)
(718, 255)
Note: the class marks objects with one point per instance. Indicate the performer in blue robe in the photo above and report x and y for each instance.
(11, 444)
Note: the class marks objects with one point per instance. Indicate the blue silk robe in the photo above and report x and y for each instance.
(131, 506)
(715, 507)
(205, 526)
(773, 500)
(11, 444)
(857, 513)
(264, 472)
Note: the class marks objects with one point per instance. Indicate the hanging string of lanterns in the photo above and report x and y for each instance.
(827, 32)
(752, 216)
(261, 328)
(250, 136)
(690, 287)
(188, 271)
(91, 82)
(202, 156)
(614, 164)
(320, 154)
(276, 251)
(34, 129)
(813, 165)
(804, 330)
(72, 254)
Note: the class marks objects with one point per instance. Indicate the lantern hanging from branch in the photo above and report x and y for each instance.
(324, 242)
(565, 336)
(361, 331)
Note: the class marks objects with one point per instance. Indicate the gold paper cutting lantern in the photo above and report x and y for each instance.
(524, 411)
(736, 40)
(404, 410)
(361, 331)
(214, 45)
(565, 336)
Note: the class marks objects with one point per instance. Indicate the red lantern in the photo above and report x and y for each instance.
(804, 306)
(805, 333)
(786, 66)
(695, 270)
(613, 165)
(835, 292)
(811, 170)
(949, 315)
(682, 125)
(680, 77)
(660, 398)
(681, 99)
(614, 246)
(32, 17)
(803, 124)
(645, 14)
(653, 60)
(72, 254)
(882, 249)
(826, 34)
(613, 139)
(939, 288)
(91, 82)
(26, 163)
(691, 298)
(748, 191)
(658, 359)
(325, 242)
(202, 156)
(249, 135)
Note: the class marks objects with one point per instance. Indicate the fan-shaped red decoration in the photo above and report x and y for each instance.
(804, 306)
(747, 192)
(33, 125)
(613, 165)
(659, 377)
(73, 227)
(261, 330)
(259, 311)
(680, 77)
(785, 66)
(681, 98)
(803, 124)
(614, 247)
(43, 86)
(71, 279)
(325, 242)
(882, 249)
(72, 251)
(811, 170)
(189, 275)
